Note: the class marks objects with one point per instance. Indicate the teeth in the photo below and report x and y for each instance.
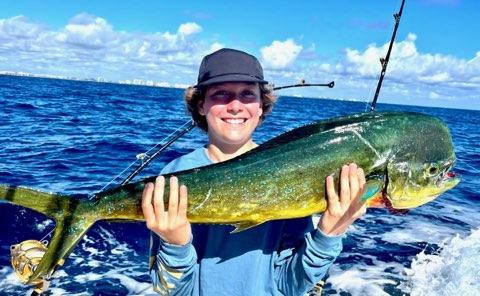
(235, 120)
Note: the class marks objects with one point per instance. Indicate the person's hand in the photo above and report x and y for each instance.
(172, 225)
(343, 210)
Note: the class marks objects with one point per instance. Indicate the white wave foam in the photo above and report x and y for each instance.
(9, 278)
(455, 270)
(102, 256)
(44, 224)
(88, 277)
(61, 292)
(363, 279)
(420, 229)
(463, 212)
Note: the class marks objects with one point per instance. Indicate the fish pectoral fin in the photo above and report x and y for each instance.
(373, 187)
(245, 225)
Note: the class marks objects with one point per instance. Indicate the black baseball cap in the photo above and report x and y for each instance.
(229, 65)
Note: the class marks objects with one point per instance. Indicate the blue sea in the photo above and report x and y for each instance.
(73, 137)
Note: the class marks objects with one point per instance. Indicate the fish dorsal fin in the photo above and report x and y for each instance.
(245, 225)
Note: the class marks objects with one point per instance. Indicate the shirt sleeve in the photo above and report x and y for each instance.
(299, 267)
(173, 268)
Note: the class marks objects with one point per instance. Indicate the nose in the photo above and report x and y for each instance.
(235, 106)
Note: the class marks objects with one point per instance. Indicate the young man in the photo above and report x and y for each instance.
(284, 257)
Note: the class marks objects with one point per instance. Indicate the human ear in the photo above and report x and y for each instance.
(260, 112)
(201, 110)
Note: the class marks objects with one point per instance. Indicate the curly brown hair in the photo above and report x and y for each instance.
(194, 95)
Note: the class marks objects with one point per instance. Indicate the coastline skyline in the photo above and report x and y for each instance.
(134, 81)
(432, 63)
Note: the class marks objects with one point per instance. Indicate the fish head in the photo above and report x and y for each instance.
(412, 185)
(420, 168)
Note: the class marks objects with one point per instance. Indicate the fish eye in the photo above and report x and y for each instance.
(433, 170)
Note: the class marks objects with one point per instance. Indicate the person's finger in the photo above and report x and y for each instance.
(332, 196)
(361, 181)
(158, 202)
(361, 177)
(173, 201)
(147, 207)
(344, 186)
(183, 203)
(353, 179)
(358, 202)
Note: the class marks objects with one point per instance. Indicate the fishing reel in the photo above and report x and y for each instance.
(25, 258)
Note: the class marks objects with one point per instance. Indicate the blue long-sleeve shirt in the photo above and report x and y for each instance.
(283, 257)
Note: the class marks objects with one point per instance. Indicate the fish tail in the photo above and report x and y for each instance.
(43, 202)
(68, 232)
(72, 220)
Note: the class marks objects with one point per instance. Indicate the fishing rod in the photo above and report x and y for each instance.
(189, 126)
(147, 159)
(384, 61)
(303, 84)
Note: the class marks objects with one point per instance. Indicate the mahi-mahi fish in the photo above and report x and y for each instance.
(407, 159)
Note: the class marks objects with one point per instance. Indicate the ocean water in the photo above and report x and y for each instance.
(74, 137)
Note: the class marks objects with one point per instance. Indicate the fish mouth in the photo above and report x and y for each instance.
(418, 197)
(450, 179)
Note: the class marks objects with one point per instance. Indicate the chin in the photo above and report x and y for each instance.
(236, 140)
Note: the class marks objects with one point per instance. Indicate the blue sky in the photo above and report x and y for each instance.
(435, 61)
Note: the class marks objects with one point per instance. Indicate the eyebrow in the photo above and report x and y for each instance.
(219, 87)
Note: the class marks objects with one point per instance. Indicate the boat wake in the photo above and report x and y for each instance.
(452, 270)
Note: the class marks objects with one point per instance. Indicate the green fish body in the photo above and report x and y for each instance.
(406, 158)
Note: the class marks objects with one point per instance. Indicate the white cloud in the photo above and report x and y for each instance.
(215, 46)
(87, 31)
(407, 65)
(280, 55)
(89, 46)
(19, 27)
(189, 29)
(412, 77)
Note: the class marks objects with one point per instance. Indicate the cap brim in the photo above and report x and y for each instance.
(231, 78)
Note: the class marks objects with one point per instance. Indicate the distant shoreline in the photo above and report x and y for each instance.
(136, 82)
(182, 87)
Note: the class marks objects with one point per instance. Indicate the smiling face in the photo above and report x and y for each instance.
(233, 111)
